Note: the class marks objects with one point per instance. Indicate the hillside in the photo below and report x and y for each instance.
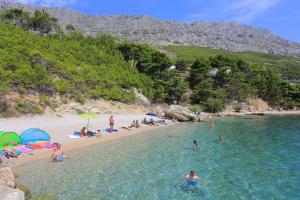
(288, 67)
(145, 29)
(39, 63)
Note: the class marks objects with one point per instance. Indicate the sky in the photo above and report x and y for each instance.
(282, 17)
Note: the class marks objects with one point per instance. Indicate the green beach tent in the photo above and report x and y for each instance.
(9, 138)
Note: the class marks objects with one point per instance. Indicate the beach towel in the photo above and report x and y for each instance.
(74, 136)
(108, 130)
(34, 146)
(23, 149)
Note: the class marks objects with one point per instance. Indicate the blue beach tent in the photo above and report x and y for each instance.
(33, 135)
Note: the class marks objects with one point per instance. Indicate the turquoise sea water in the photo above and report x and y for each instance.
(259, 159)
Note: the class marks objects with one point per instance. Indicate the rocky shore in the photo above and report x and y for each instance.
(8, 189)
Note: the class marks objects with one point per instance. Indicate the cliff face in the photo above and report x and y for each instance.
(227, 36)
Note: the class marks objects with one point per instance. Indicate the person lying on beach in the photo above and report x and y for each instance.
(152, 122)
(221, 139)
(58, 154)
(111, 123)
(99, 134)
(196, 145)
(126, 128)
(82, 132)
(9, 153)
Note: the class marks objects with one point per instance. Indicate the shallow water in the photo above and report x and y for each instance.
(259, 159)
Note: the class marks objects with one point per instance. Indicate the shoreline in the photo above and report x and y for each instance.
(292, 112)
(71, 121)
(83, 143)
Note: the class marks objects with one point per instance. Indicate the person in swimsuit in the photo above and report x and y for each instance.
(196, 145)
(57, 155)
(111, 123)
(191, 178)
(82, 132)
(9, 153)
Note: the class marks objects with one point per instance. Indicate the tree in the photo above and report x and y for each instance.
(70, 28)
(43, 23)
(16, 16)
(199, 71)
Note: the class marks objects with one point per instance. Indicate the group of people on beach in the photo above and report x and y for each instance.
(57, 154)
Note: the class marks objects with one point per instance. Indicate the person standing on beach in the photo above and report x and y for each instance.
(111, 123)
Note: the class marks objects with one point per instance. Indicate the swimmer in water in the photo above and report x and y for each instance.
(221, 139)
(196, 145)
(191, 176)
(212, 126)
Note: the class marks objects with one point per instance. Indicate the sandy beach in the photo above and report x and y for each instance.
(61, 127)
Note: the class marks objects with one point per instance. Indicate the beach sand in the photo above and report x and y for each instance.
(60, 128)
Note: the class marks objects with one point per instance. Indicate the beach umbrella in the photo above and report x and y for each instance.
(88, 116)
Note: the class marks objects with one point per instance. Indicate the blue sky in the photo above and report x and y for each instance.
(280, 16)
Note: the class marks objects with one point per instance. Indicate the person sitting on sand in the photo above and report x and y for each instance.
(58, 154)
(82, 132)
(132, 124)
(196, 145)
(111, 123)
(221, 139)
(145, 121)
(152, 123)
(9, 153)
(137, 125)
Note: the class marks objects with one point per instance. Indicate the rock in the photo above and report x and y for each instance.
(181, 113)
(139, 98)
(7, 193)
(7, 177)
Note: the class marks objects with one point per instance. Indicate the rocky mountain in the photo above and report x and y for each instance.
(229, 36)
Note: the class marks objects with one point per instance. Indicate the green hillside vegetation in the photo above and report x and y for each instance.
(36, 56)
(285, 65)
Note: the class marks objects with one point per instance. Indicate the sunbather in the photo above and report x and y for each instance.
(9, 153)
(144, 121)
(99, 134)
(82, 132)
(137, 125)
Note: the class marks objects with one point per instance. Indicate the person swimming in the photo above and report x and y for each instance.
(212, 126)
(196, 145)
(221, 139)
(191, 178)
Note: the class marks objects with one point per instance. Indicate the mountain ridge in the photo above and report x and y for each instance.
(230, 36)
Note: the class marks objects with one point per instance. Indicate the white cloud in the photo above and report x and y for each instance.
(46, 3)
(247, 10)
(233, 10)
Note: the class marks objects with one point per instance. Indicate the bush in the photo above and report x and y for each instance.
(237, 108)
(26, 107)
